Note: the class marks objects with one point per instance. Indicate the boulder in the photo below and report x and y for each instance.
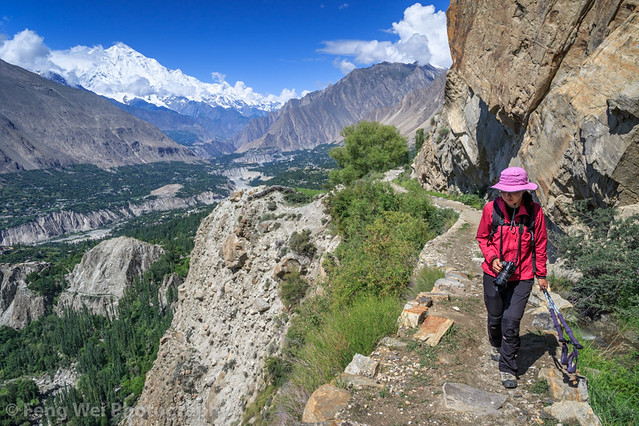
(362, 366)
(563, 388)
(234, 251)
(412, 317)
(461, 397)
(574, 412)
(324, 403)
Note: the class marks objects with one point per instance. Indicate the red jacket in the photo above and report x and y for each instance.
(490, 247)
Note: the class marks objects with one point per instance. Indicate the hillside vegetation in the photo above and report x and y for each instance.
(111, 357)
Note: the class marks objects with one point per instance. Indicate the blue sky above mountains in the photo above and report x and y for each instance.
(278, 47)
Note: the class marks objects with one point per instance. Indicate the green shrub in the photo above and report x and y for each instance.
(368, 147)
(419, 140)
(382, 263)
(293, 288)
(276, 369)
(606, 251)
(300, 243)
(472, 200)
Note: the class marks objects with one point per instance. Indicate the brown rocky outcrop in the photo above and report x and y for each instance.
(18, 304)
(229, 316)
(100, 279)
(551, 86)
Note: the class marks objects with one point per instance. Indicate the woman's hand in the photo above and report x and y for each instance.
(543, 284)
(497, 265)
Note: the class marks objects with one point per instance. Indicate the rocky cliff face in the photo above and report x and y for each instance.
(67, 222)
(44, 124)
(229, 315)
(318, 118)
(550, 86)
(18, 304)
(100, 279)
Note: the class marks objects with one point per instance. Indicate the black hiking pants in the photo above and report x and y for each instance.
(505, 310)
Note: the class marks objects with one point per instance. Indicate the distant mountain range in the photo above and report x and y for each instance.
(217, 118)
(44, 124)
(404, 95)
(124, 74)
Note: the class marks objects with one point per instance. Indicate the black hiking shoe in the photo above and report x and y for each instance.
(508, 380)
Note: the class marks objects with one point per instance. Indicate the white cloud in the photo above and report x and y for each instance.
(344, 65)
(27, 50)
(422, 39)
(139, 87)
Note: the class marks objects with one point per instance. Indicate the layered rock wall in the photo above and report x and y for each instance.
(229, 315)
(18, 304)
(101, 278)
(60, 223)
(552, 86)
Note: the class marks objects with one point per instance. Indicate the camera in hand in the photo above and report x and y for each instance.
(501, 281)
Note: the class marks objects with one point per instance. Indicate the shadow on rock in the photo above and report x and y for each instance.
(533, 347)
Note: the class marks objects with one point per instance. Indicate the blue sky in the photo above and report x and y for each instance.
(270, 45)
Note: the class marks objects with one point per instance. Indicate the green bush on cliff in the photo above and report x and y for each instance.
(368, 147)
(383, 232)
(606, 251)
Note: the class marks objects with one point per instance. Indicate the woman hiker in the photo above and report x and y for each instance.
(512, 237)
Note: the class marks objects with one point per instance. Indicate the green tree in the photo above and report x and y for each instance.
(368, 146)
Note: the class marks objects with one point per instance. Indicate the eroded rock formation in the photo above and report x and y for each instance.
(552, 86)
(100, 279)
(18, 304)
(55, 224)
(229, 316)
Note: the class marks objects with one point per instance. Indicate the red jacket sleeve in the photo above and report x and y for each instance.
(541, 241)
(490, 251)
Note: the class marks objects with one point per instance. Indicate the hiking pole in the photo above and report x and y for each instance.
(570, 361)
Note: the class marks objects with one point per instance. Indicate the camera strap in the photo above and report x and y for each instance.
(501, 243)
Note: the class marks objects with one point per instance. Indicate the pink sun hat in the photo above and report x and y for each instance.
(514, 179)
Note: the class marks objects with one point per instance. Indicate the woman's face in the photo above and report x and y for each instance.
(512, 199)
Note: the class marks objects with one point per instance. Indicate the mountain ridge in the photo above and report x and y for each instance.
(44, 124)
(319, 117)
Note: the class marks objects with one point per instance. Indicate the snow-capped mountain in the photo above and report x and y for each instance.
(123, 74)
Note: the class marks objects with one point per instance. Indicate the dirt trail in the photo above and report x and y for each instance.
(412, 375)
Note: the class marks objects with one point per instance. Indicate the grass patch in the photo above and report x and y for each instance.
(424, 280)
(613, 383)
(540, 387)
(427, 354)
(256, 409)
(344, 332)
